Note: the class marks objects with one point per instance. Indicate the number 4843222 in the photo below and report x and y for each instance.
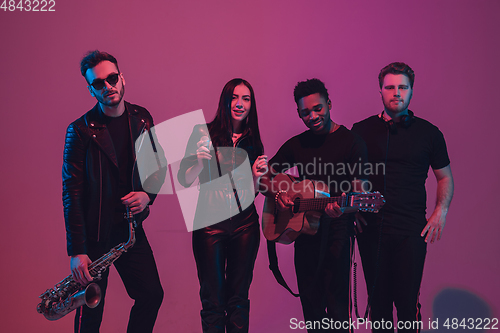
(471, 323)
(28, 5)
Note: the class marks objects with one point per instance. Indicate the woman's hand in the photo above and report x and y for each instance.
(260, 166)
(203, 151)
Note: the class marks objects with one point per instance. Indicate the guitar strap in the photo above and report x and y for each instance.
(273, 266)
(273, 261)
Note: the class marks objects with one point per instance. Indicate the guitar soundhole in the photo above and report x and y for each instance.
(296, 205)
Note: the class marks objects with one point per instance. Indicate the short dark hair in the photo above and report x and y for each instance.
(93, 58)
(396, 68)
(309, 87)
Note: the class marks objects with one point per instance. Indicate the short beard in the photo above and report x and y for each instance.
(112, 104)
(399, 109)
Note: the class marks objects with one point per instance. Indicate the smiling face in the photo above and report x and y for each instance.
(240, 106)
(396, 94)
(109, 95)
(314, 111)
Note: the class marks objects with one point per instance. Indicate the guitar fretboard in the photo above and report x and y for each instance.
(319, 204)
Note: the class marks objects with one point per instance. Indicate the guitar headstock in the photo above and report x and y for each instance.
(370, 202)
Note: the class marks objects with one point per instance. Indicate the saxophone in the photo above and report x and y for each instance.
(69, 295)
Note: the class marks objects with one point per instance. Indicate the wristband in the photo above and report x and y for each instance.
(277, 196)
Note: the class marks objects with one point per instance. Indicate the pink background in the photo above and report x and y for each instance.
(176, 57)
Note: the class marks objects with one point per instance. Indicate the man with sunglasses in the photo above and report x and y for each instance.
(100, 181)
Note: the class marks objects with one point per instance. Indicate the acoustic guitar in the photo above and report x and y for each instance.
(309, 198)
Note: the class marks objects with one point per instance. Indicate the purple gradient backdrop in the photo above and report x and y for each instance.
(176, 57)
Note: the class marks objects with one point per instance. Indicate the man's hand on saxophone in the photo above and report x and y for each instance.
(79, 269)
(136, 201)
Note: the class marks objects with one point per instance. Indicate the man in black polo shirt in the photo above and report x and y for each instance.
(393, 243)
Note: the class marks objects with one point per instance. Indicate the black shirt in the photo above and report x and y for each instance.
(332, 158)
(119, 130)
(409, 151)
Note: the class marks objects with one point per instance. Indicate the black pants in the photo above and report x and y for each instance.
(225, 255)
(400, 266)
(137, 269)
(327, 297)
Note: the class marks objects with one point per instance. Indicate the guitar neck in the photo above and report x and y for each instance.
(319, 204)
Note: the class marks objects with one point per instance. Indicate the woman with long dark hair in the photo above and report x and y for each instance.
(227, 157)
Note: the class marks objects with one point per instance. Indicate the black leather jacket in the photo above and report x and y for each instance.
(89, 160)
(215, 197)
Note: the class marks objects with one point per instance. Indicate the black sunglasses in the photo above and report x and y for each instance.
(112, 79)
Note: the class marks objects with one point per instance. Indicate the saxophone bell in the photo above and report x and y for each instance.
(69, 295)
(90, 296)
